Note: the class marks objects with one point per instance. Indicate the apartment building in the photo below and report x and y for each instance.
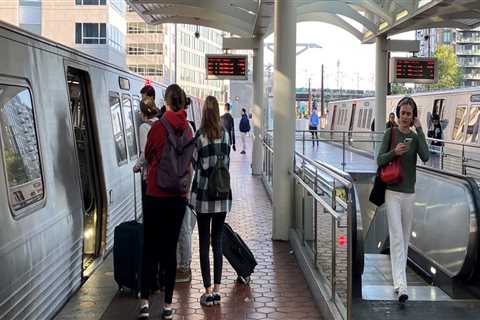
(96, 27)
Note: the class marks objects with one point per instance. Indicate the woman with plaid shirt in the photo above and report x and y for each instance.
(212, 145)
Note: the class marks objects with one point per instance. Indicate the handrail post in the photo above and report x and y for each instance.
(349, 254)
(464, 169)
(333, 279)
(315, 221)
(343, 152)
(441, 157)
(303, 141)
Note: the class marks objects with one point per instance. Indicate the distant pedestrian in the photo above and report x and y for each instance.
(313, 125)
(244, 129)
(211, 195)
(228, 125)
(391, 121)
(436, 132)
(403, 144)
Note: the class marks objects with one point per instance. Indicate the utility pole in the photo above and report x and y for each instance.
(322, 108)
(309, 95)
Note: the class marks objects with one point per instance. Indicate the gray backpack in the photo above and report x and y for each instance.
(218, 187)
(173, 170)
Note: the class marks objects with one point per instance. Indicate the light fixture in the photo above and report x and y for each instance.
(379, 244)
(383, 25)
(433, 270)
(414, 234)
(401, 14)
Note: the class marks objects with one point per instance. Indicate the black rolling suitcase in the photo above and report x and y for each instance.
(127, 253)
(238, 254)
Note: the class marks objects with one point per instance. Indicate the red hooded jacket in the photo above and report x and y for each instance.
(153, 149)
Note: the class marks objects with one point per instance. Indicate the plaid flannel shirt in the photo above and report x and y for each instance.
(204, 160)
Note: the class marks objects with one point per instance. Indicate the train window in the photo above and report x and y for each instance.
(129, 126)
(369, 118)
(364, 119)
(458, 126)
(438, 107)
(473, 123)
(19, 142)
(117, 125)
(359, 122)
(124, 83)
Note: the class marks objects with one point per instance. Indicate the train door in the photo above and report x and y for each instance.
(438, 109)
(86, 140)
(352, 119)
(334, 114)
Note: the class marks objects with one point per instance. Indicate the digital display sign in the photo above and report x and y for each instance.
(413, 70)
(226, 66)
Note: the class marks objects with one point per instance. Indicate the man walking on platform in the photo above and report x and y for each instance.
(228, 125)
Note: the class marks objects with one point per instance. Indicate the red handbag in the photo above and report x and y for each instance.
(392, 171)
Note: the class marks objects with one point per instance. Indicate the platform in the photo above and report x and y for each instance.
(277, 291)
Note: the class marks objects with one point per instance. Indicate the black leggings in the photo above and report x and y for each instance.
(313, 131)
(217, 220)
(162, 219)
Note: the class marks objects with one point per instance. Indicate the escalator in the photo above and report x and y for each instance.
(444, 241)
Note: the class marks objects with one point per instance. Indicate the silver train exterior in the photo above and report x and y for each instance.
(459, 112)
(68, 126)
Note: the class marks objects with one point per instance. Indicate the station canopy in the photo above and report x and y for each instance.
(365, 19)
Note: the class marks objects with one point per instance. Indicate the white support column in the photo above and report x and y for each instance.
(285, 28)
(381, 67)
(258, 122)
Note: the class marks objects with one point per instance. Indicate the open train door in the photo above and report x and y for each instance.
(89, 166)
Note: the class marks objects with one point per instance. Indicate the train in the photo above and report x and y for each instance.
(68, 142)
(458, 111)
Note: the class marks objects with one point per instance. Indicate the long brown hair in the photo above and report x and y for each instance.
(211, 126)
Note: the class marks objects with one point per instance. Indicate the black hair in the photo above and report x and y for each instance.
(244, 110)
(175, 97)
(149, 91)
(227, 106)
(148, 107)
(410, 102)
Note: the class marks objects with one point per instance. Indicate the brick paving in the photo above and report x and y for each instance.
(277, 290)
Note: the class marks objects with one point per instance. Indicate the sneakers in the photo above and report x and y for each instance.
(402, 295)
(183, 275)
(167, 313)
(206, 300)
(216, 297)
(144, 314)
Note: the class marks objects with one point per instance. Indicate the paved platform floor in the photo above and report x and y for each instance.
(277, 290)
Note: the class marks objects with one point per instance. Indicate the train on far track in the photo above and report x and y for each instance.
(457, 109)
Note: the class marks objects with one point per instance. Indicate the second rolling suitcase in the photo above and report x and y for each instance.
(238, 254)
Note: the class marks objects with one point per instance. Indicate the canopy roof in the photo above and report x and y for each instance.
(365, 19)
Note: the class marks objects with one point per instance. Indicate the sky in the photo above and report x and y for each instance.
(356, 60)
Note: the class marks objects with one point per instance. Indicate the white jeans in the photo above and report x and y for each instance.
(243, 136)
(184, 246)
(400, 209)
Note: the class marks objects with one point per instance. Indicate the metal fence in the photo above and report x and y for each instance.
(451, 156)
(324, 213)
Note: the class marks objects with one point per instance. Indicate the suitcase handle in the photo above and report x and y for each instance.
(135, 196)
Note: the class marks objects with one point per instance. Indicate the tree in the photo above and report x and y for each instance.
(449, 72)
(398, 88)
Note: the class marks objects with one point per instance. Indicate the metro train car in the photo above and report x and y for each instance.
(458, 109)
(68, 142)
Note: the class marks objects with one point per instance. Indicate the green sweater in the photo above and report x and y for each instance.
(408, 161)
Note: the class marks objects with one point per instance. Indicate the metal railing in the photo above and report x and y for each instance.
(455, 157)
(324, 213)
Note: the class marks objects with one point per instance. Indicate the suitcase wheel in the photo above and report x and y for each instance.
(245, 281)
(121, 289)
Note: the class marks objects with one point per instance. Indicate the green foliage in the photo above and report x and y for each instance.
(449, 72)
(17, 173)
(398, 88)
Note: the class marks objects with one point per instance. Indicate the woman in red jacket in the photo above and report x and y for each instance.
(164, 210)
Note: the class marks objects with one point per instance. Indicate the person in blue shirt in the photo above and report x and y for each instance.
(244, 129)
(313, 125)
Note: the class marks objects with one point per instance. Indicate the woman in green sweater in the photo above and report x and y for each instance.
(400, 196)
